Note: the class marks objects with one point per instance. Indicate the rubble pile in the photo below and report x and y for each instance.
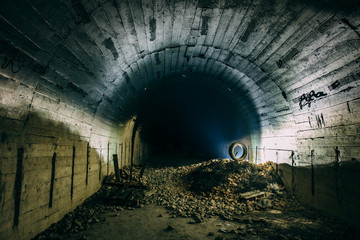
(217, 187)
(80, 219)
(223, 187)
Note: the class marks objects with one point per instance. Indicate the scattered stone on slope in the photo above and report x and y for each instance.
(217, 187)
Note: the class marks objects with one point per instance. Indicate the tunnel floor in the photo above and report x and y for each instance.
(154, 222)
(179, 197)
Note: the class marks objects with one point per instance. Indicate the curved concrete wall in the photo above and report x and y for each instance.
(71, 71)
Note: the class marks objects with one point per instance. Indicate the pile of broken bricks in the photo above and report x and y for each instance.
(220, 187)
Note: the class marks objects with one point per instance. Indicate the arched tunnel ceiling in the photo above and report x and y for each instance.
(103, 54)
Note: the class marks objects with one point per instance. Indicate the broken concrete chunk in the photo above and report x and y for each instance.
(150, 193)
(252, 194)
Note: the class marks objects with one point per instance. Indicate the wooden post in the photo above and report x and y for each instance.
(87, 163)
(53, 161)
(292, 171)
(256, 151)
(18, 185)
(72, 173)
(248, 156)
(116, 167)
(108, 158)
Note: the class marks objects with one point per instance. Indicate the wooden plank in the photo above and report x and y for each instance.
(116, 167)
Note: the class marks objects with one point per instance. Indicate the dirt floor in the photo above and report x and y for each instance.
(177, 197)
(154, 222)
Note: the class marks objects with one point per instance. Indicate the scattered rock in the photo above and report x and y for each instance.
(217, 187)
(197, 218)
(242, 228)
(169, 228)
(233, 231)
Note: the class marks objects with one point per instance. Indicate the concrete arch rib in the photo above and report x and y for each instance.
(261, 109)
(223, 65)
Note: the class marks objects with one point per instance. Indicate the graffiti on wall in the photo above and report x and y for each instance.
(308, 98)
(10, 63)
(15, 60)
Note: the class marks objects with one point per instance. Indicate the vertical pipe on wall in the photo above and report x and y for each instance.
(108, 158)
(100, 163)
(256, 148)
(52, 179)
(338, 183)
(116, 167)
(292, 171)
(312, 173)
(121, 155)
(87, 162)
(248, 156)
(277, 162)
(125, 154)
(72, 173)
(18, 185)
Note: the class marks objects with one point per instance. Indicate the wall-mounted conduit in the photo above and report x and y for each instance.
(72, 173)
(18, 185)
(87, 163)
(52, 179)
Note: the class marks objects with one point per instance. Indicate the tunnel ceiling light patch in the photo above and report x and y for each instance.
(238, 151)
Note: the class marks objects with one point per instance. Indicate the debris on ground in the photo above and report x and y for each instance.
(220, 187)
(80, 219)
(217, 187)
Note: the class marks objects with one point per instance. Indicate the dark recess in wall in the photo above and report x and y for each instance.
(192, 114)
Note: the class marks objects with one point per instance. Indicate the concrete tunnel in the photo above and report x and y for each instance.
(81, 80)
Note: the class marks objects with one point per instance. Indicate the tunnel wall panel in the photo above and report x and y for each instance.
(42, 126)
(328, 188)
